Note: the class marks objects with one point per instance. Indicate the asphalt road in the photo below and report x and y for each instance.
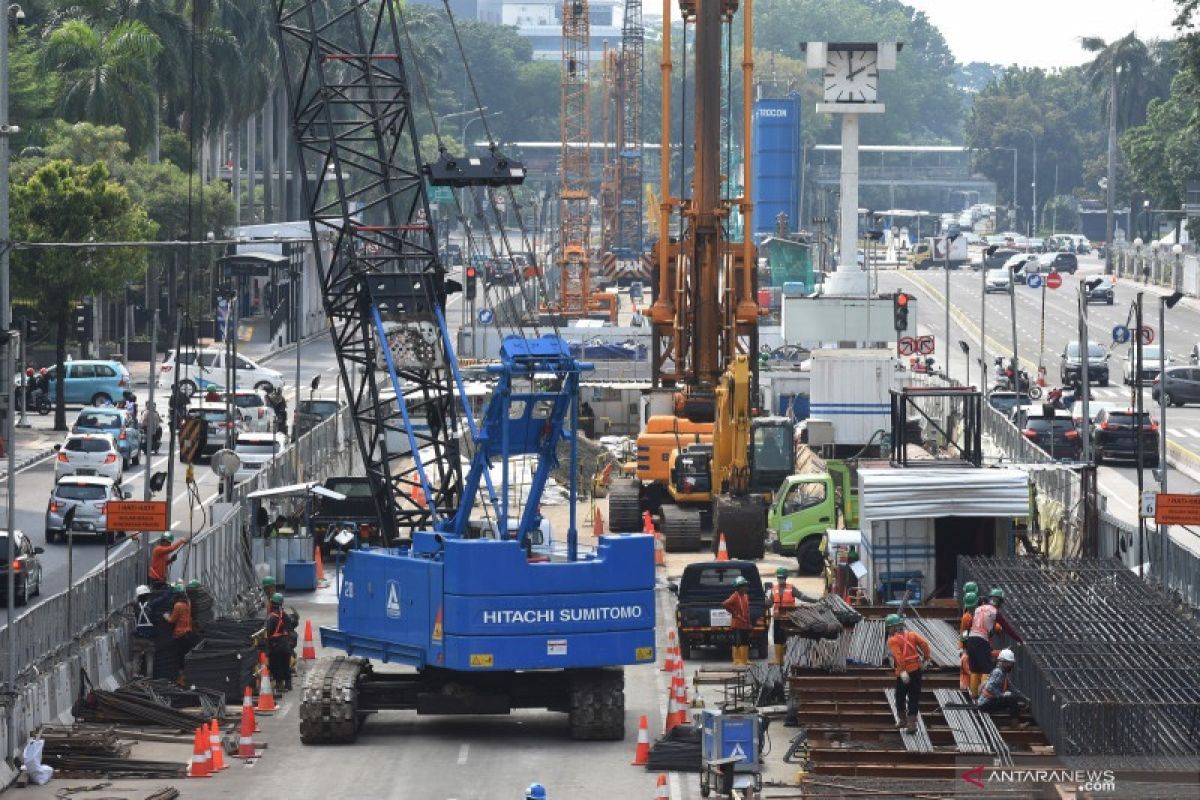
(1044, 344)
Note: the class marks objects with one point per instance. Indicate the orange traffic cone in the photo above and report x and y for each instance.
(647, 522)
(672, 711)
(641, 755)
(248, 709)
(246, 734)
(309, 652)
(215, 749)
(320, 563)
(266, 697)
(200, 755)
(722, 550)
(662, 791)
(669, 657)
(660, 554)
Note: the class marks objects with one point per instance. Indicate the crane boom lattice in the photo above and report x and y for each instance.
(576, 170)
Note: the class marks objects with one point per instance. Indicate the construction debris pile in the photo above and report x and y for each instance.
(1110, 664)
(151, 703)
(84, 750)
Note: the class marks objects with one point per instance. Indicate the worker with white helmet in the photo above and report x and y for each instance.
(997, 694)
(142, 644)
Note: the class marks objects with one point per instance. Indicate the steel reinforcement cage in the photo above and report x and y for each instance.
(1111, 664)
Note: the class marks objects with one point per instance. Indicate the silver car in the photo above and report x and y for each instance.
(88, 495)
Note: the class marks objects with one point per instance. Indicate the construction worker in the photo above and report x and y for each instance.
(180, 620)
(144, 632)
(279, 644)
(909, 650)
(783, 602)
(970, 603)
(161, 557)
(738, 606)
(997, 695)
(986, 621)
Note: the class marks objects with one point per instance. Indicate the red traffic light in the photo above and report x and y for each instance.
(901, 299)
(471, 273)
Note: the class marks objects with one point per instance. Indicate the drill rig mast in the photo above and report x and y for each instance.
(575, 219)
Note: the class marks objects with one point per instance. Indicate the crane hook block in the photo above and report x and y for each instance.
(488, 170)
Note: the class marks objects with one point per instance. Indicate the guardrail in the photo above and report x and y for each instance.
(219, 557)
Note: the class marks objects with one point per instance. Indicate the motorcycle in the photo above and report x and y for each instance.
(36, 397)
(1024, 385)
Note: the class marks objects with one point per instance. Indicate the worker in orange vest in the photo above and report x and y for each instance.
(970, 602)
(180, 620)
(279, 644)
(910, 651)
(979, 639)
(161, 557)
(738, 606)
(783, 602)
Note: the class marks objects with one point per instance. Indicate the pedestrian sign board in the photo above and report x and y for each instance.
(1177, 509)
(1120, 334)
(136, 515)
(486, 316)
(1034, 281)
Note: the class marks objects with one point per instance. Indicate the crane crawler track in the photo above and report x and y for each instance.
(329, 701)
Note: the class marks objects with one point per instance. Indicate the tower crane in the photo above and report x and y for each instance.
(705, 462)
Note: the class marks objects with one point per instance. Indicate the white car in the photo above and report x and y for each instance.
(257, 416)
(219, 423)
(1150, 355)
(202, 369)
(89, 454)
(998, 280)
(256, 449)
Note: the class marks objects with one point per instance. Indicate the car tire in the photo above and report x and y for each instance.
(51, 537)
(685, 648)
(100, 398)
(264, 386)
(21, 595)
(1111, 299)
(1099, 456)
(137, 456)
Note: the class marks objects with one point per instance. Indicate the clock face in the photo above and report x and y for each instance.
(851, 76)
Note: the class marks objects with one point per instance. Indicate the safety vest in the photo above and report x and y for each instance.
(1003, 688)
(280, 625)
(784, 599)
(984, 621)
(144, 627)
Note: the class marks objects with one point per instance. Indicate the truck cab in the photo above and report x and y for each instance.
(805, 507)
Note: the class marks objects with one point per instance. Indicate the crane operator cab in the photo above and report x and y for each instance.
(691, 474)
(772, 453)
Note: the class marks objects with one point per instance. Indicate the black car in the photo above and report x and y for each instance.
(700, 618)
(1115, 436)
(1065, 262)
(996, 257)
(1183, 385)
(1056, 435)
(1005, 402)
(1099, 290)
(28, 571)
(1070, 366)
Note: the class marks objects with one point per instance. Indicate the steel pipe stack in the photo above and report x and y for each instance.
(1111, 664)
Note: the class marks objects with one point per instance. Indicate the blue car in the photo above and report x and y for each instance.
(116, 422)
(91, 383)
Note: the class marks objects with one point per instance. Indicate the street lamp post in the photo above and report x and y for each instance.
(1033, 210)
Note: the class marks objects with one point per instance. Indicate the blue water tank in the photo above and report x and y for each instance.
(776, 142)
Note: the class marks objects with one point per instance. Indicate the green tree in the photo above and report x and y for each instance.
(106, 77)
(65, 202)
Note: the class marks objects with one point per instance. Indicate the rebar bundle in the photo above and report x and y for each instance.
(974, 731)
(815, 621)
(868, 646)
(152, 702)
(943, 640)
(1111, 667)
(83, 751)
(827, 655)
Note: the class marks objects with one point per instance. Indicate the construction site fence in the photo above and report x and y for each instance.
(219, 557)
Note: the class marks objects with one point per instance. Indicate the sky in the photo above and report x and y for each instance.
(1041, 33)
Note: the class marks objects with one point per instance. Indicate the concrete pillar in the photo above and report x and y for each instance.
(849, 280)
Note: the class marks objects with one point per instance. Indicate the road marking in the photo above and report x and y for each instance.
(462, 754)
(1191, 432)
(284, 708)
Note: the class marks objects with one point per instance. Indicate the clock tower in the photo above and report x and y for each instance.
(850, 72)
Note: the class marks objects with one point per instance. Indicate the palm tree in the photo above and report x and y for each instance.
(1127, 55)
(106, 77)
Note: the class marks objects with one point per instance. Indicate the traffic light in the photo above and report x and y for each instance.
(31, 329)
(900, 311)
(82, 318)
(472, 274)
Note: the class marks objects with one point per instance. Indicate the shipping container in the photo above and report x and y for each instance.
(851, 388)
(776, 141)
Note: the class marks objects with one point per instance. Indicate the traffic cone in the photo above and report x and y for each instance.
(200, 755)
(722, 550)
(246, 734)
(662, 791)
(669, 657)
(641, 755)
(309, 652)
(672, 711)
(660, 555)
(248, 709)
(647, 522)
(320, 563)
(266, 697)
(215, 748)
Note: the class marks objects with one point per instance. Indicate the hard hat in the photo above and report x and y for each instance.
(535, 792)
(142, 590)
(970, 600)
(997, 593)
(893, 620)
(739, 581)
(970, 587)
(268, 580)
(1007, 655)
(43, 371)
(277, 599)
(781, 572)
(29, 372)
(177, 588)
(193, 584)
(166, 537)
